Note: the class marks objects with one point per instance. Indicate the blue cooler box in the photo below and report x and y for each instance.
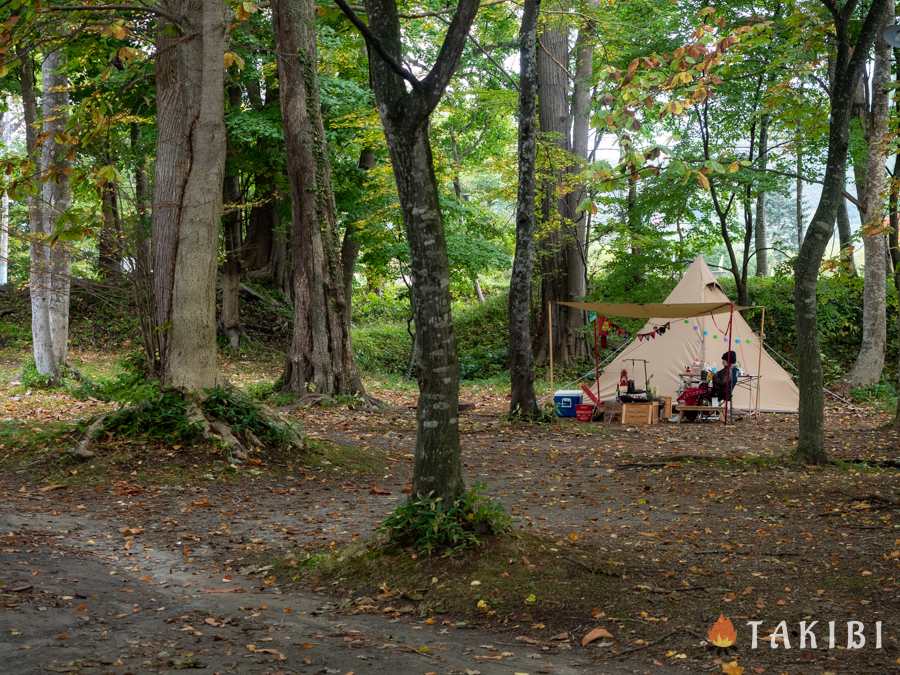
(565, 401)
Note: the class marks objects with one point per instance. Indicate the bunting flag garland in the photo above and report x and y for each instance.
(604, 327)
(657, 330)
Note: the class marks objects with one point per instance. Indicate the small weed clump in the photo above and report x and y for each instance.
(247, 418)
(163, 416)
(32, 379)
(430, 526)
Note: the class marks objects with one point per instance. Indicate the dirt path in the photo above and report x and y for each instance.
(78, 599)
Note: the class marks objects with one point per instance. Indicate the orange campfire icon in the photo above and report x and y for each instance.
(722, 632)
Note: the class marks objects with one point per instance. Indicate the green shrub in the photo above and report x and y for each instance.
(32, 379)
(247, 418)
(392, 306)
(883, 394)
(482, 338)
(164, 416)
(382, 348)
(430, 526)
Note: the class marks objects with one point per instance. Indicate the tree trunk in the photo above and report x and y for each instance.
(258, 247)
(521, 361)
(56, 198)
(231, 269)
(581, 117)
(39, 272)
(405, 115)
(190, 164)
(231, 222)
(894, 235)
(7, 125)
(350, 243)
(320, 354)
(560, 242)
(109, 250)
(762, 253)
(870, 361)
(845, 239)
(810, 444)
(798, 192)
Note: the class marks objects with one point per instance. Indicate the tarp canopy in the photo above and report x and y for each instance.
(654, 310)
(696, 335)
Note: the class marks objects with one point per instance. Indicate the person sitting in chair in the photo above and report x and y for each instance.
(726, 378)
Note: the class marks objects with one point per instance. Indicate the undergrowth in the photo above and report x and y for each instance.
(430, 526)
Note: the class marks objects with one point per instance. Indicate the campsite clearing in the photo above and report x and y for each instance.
(648, 532)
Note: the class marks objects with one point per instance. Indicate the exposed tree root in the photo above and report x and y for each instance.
(83, 449)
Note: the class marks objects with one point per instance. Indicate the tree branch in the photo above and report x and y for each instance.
(156, 11)
(448, 57)
(373, 42)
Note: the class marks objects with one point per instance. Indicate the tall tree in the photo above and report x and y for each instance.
(558, 254)
(231, 223)
(405, 104)
(850, 59)
(38, 280)
(49, 276)
(521, 359)
(320, 354)
(190, 164)
(762, 253)
(870, 360)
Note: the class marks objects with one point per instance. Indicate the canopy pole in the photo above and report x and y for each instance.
(762, 341)
(728, 364)
(550, 342)
(597, 328)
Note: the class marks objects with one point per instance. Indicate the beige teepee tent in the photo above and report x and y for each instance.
(702, 340)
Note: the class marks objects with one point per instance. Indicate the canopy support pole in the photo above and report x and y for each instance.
(762, 341)
(550, 342)
(728, 363)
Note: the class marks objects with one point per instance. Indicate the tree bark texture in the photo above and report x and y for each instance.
(761, 240)
(559, 240)
(232, 227)
(848, 68)
(845, 239)
(870, 361)
(521, 360)
(405, 115)
(320, 356)
(109, 245)
(187, 203)
(350, 243)
(39, 272)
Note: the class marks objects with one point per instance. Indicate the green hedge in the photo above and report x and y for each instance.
(480, 339)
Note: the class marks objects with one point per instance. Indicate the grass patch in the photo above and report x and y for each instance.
(520, 578)
(321, 454)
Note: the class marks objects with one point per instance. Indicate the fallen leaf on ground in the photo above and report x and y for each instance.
(595, 634)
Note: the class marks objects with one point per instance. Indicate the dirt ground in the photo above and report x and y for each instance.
(126, 573)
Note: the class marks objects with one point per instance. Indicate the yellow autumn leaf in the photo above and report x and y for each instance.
(732, 668)
(703, 181)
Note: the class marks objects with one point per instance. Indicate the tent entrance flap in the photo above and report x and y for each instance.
(655, 310)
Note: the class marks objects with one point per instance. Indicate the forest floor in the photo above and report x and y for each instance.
(151, 560)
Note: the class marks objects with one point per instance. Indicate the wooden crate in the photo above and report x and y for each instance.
(667, 406)
(640, 413)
